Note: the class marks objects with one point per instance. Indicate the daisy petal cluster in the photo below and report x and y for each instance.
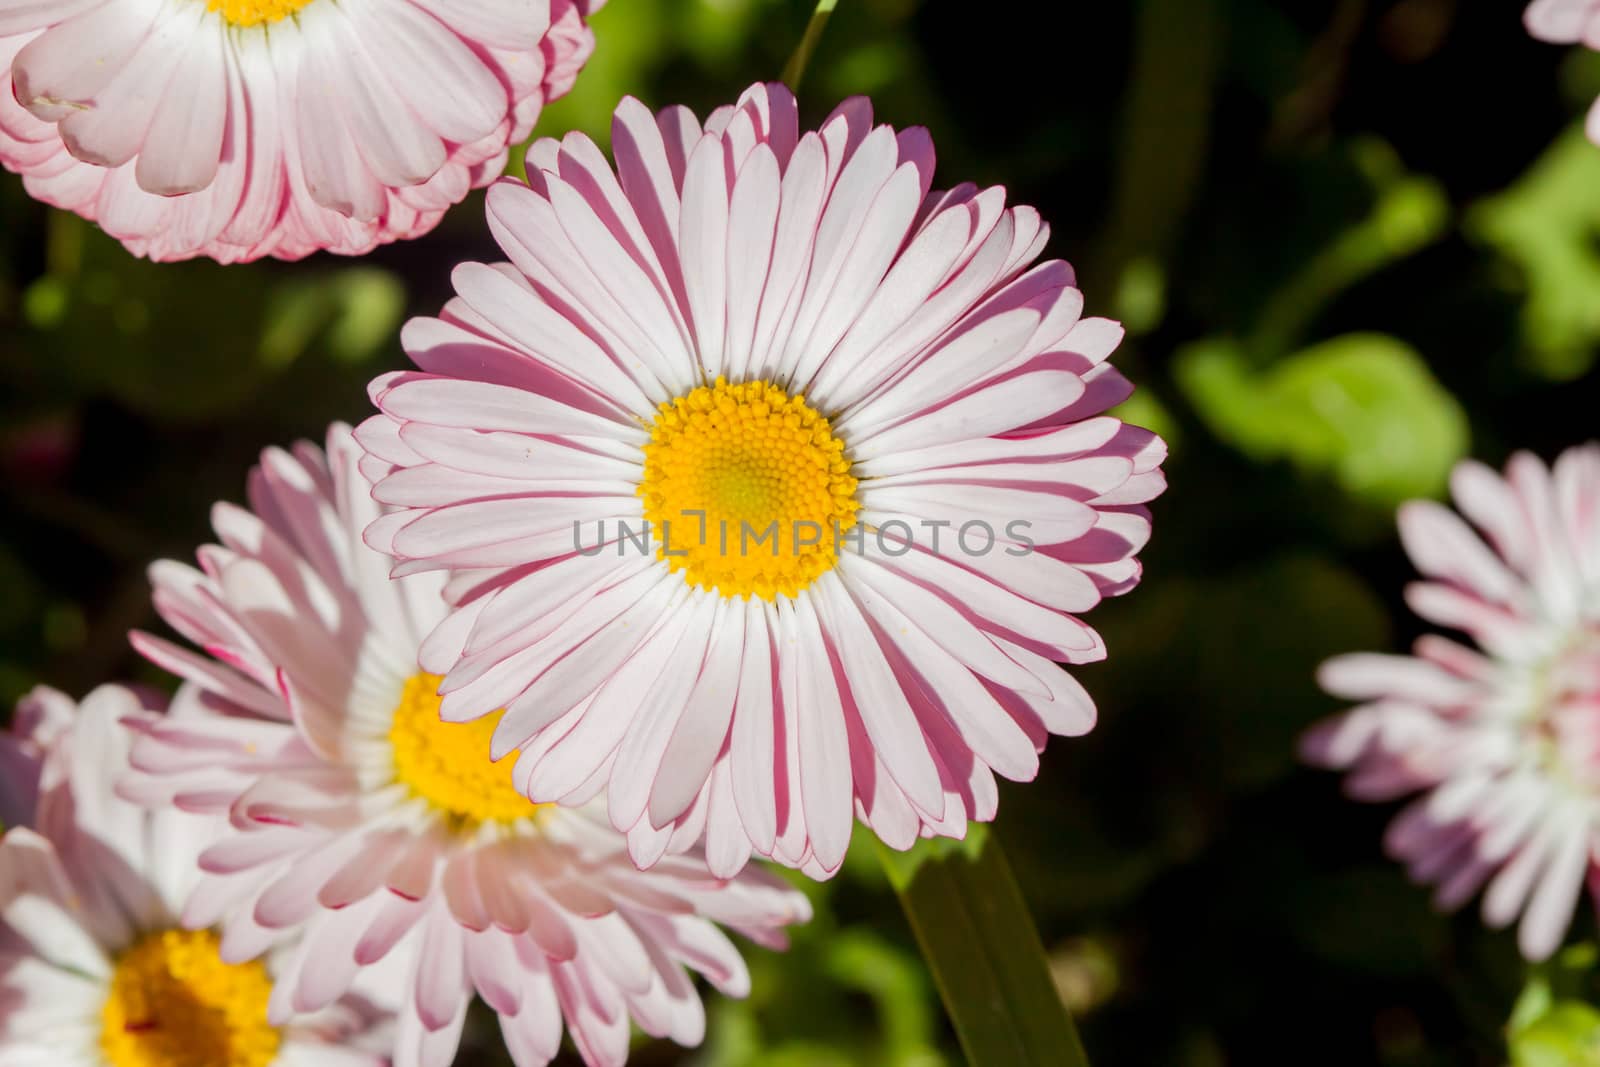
(385, 839)
(1501, 741)
(770, 483)
(95, 968)
(237, 129)
(1568, 22)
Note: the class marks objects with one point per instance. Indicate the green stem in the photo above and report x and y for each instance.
(1165, 130)
(795, 69)
(984, 952)
(63, 248)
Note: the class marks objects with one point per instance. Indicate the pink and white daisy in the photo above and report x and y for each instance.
(1502, 741)
(95, 968)
(744, 332)
(238, 129)
(1569, 22)
(386, 836)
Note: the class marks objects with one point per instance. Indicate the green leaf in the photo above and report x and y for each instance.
(980, 944)
(1553, 1023)
(1568, 1035)
(1141, 297)
(195, 340)
(1145, 409)
(1363, 408)
(844, 994)
(1548, 225)
(1409, 212)
(358, 307)
(858, 959)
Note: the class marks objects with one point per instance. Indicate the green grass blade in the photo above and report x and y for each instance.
(984, 952)
(795, 69)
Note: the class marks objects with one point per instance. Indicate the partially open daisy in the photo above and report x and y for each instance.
(1569, 22)
(237, 129)
(865, 432)
(363, 821)
(95, 968)
(1503, 741)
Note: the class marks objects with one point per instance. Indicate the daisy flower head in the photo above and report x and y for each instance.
(237, 129)
(96, 969)
(1500, 743)
(385, 836)
(1568, 22)
(770, 483)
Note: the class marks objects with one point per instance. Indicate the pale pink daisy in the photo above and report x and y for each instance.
(95, 968)
(1502, 741)
(238, 129)
(387, 836)
(866, 431)
(1569, 22)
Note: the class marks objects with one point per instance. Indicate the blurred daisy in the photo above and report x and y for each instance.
(384, 834)
(95, 969)
(237, 129)
(1568, 22)
(865, 430)
(1503, 741)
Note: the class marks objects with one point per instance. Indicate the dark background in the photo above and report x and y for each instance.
(1353, 241)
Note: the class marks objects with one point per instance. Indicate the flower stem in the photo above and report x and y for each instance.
(984, 952)
(795, 69)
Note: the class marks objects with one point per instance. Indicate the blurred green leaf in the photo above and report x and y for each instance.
(716, 31)
(859, 959)
(805, 1006)
(1086, 973)
(1568, 1035)
(1363, 408)
(1141, 297)
(1145, 409)
(632, 39)
(1409, 212)
(187, 340)
(368, 306)
(44, 304)
(1548, 224)
(980, 943)
(1554, 1024)
(359, 308)
(868, 68)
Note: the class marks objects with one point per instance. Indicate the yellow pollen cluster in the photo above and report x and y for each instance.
(773, 482)
(255, 12)
(174, 1003)
(447, 763)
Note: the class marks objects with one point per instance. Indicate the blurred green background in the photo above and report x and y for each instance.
(1353, 241)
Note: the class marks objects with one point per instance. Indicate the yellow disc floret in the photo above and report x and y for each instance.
(254, 12)
(175, 1003)
(746, 489)
(447, 763)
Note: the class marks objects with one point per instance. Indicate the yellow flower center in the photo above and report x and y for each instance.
(447, 763)
(255, 12)
(746, 489)
(174, 1003)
